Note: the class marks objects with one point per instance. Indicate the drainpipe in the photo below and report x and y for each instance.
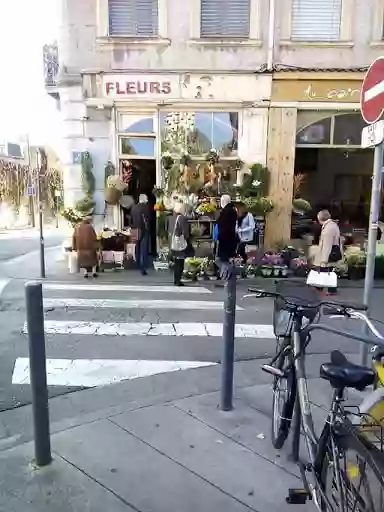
(271, 34)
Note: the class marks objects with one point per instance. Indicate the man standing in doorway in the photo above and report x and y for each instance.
(140, 215)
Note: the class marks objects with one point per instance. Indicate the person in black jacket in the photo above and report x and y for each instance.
(140, 215)
(227, 237)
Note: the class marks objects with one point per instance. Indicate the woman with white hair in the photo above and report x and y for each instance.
(179, 241)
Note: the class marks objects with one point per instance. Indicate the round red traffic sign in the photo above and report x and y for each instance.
(372, 92)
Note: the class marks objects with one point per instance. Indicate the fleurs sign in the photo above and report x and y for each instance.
(122, 87)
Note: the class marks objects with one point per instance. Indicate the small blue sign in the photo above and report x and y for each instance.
(30, 190)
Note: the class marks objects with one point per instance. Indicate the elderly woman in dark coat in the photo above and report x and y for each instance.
(178, 226)
(84, 242)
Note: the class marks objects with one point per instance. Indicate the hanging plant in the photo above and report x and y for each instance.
(167, 161)
(109, 170)
(212, 157)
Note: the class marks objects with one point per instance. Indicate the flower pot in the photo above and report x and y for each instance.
(284, 272)
(356, 273)
(266, 271)
(276, 271)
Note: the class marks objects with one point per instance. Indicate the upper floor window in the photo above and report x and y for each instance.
(316, 20)
(225, 18)
(133, 18)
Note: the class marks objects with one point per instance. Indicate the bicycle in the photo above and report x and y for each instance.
(329, 478)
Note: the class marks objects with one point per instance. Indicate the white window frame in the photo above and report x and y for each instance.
(378, 24)
(254, 26)
(346, 26)
(103, 23)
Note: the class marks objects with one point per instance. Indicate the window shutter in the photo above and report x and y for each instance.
(225, 18)
(316, 20)
(133, 18)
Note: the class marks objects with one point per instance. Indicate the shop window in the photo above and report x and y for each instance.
(140, 146)
(199, 132)
(133, 123)
(317, 133)
(347, 131)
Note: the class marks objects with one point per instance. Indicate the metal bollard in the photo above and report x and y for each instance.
(227, 361)
(38, 372)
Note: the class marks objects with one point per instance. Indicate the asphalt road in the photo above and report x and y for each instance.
(94, 308)
(19, 242)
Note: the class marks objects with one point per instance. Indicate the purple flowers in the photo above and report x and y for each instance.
(272, 259)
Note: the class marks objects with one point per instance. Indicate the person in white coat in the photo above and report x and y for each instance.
(245, 229)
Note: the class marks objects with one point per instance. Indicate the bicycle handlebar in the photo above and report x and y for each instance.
(341, 310)
(339, 306)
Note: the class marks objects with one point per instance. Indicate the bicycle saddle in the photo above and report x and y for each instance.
(341, 373)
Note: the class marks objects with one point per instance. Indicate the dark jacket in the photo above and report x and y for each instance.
(140, 217)
(227, 238)
(182, 227)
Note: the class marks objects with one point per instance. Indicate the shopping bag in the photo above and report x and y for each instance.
(322, 279)
(178, 243)
(73, 265)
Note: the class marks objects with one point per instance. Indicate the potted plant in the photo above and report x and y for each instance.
(356, 261)
(379, 267)
(299, 266)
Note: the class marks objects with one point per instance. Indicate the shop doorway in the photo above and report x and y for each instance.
(331, 170)
(143, 181)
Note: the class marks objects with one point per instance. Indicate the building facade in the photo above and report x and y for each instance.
(244, 72)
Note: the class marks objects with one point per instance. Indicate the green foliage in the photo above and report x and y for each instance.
(301, 205)
(109, 170)
(258, 206)
(256, 183)
(87, 204)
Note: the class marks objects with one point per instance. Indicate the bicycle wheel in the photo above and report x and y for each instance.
(353, 481)
(283, 401)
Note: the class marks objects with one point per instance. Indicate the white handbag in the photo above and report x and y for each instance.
(178, 243)
(322, 279)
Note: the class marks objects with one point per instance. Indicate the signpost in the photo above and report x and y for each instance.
(372, 109)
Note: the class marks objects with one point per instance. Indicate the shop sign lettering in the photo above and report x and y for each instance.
(333, 94)
(136, 88)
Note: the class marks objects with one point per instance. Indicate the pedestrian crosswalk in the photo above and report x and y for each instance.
(99, 333)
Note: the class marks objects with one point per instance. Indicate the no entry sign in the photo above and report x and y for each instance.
(372, 92)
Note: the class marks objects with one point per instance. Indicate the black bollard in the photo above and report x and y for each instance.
(227, 362)
(38, 372)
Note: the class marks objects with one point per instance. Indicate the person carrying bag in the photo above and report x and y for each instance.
(179, 242)
(329, 253)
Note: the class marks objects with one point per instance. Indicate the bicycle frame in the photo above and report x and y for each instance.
(303, 415)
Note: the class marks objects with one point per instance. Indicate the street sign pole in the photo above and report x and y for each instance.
(41, 169)
(372, 239)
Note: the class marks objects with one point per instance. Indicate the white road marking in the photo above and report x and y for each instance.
(135, 304)
(99, 372)
(148, 329)
(125, 288)
(374, 91)
(3, 285)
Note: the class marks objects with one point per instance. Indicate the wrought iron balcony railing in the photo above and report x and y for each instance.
(51, 63)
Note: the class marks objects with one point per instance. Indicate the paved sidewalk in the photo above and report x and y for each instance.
(156, 454)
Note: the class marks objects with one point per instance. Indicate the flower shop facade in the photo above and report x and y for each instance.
(314, 146)
(151, 119)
